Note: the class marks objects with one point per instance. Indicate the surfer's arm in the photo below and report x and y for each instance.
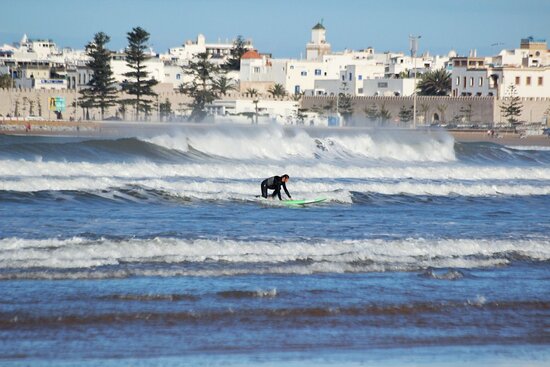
(286, 191)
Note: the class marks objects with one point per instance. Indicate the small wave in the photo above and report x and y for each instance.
(246, 315)
(447, 275)
(269, 293)
(150, 297)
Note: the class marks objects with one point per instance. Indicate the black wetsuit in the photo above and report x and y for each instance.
(274, 183)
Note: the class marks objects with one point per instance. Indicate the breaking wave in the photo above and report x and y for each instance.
(79, 257)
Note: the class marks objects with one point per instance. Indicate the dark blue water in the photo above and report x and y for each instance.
(156, 251)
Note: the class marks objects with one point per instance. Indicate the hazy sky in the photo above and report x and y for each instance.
(282, 27)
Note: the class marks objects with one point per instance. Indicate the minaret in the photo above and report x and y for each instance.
(318, 45)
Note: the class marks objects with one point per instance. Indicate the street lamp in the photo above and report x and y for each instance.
(413, 46)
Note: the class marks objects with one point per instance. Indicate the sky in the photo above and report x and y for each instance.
(283, 27)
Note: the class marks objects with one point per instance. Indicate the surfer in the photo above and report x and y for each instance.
(275, 183)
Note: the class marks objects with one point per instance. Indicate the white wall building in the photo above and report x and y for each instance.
(388, 87)
(527, 69)
(219, 51)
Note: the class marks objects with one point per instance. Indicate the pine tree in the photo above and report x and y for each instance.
(512, 106)
(405, 114)
(101, 91)
(201, 87)
(138, 84)
(165, 110)
(237, 51)
(345, 106)
(371, 112)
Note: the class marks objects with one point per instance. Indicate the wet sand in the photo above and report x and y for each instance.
(507, 138)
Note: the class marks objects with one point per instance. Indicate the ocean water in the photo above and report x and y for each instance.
(153, 249)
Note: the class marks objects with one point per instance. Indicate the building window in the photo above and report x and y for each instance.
(360, 77)
(303, 73)
(464, 82)
(517, 80)
(382, 84)
(360, 91)
(528, 80)
(343, 77)
(457, 80)
(540, 80)
(178, 76)
(317, 71)
(350, 77)
(481, 81)
(257, 69)
(471, 81)
(291, 67)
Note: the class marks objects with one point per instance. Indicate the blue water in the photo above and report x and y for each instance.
(155, 250)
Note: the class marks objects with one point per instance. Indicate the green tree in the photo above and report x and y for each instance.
(424, 108)
(138, 84)
(442, 108)
(222, 85)
(236, 53)
(252, 92)
(435, 83)
(345, 106)
(101, 91)
(511, 106)
(277, 90)
(467, 112)
(39, 106)
(165, 110)
(123, 107)
(371, 112)
(6, 81)
(405, 114)
(384, 114)
(201, 87)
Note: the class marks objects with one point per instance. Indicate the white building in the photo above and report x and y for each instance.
(219, 51)
(527, 69)
(318, 46)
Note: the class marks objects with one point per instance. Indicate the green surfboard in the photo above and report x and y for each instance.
(302, 202)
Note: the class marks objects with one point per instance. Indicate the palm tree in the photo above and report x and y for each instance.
(441, 109)
(223, 84)
(424, 108)
(435, 83)
(277, 90)
(252, 92)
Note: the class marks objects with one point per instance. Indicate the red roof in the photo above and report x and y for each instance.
(252, 54)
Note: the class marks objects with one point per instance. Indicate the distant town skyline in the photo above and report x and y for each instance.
(283, 27)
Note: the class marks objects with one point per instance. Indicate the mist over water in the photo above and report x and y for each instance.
(423, 242)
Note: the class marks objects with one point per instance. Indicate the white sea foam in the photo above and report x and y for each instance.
(273, 142)
(228, 189)
(278, 257)
(23, 168)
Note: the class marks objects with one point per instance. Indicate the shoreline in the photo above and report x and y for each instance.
(113, 129)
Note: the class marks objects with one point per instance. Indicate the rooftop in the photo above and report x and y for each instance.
(318, 26)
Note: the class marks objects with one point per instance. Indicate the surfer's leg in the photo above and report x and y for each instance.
(264, 190)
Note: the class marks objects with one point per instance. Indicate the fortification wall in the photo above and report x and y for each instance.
(429, 109)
